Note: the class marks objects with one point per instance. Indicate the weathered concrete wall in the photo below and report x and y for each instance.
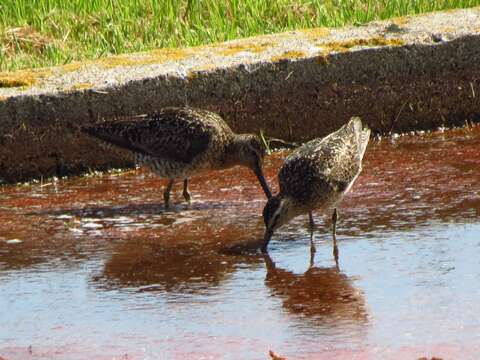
(407, 73)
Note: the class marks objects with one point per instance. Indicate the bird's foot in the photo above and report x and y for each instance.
(188, 198)
(166, 201)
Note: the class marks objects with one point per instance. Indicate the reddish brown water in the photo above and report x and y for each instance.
(99, 270)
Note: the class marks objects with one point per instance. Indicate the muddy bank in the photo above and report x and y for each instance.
(410, 73)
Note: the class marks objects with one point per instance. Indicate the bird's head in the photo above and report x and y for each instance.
(250, 152)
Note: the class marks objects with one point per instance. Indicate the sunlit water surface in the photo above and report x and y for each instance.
(96, 267)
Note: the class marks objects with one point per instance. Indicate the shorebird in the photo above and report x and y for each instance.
(180, 142)
(316, 176)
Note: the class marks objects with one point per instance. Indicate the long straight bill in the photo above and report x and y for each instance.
(263, 182)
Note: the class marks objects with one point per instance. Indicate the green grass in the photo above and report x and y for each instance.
(37, 33)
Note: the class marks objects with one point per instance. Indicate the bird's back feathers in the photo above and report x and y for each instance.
(174, 134)
(320, 165)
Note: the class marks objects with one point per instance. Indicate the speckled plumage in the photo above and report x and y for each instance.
(317, 175)
(179, 142)
(322, 170)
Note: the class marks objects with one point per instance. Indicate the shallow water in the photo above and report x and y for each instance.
(96, 268)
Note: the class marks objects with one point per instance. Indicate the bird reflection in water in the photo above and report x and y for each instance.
(149, 265)
(323, 294)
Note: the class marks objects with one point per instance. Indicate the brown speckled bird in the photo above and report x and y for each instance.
(180, 142)
(316, 176)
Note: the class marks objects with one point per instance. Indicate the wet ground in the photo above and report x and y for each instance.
(96, 268)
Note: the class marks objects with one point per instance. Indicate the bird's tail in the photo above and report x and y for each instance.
(362, 134)
(113, 133)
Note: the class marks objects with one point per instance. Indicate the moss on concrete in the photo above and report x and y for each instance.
(342, 46)
(289, 55)
(82, 86)
(315, 33)
(322, 57)
(253, 47)
(401, 20)
(74, 66)
(202, 68)
(23, 78)
(11, 81)
(151, 57)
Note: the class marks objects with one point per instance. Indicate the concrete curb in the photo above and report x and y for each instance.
(407, 73)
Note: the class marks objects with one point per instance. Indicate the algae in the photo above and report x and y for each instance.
(402, 20)
(322, 57)
(11, 81)
(289, 55)
(74, 66)
(198, 70)
(23, 78)
(253, 47)
(315, 33)
(29, 77)
(82, 86)
(343, 46)
(152, 57)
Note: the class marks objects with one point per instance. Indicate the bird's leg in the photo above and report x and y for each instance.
(311, 224)
(166, 193)
(334, 223)
(186, 193)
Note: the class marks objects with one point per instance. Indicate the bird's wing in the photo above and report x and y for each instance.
(342, 152)
(297, 176)
(172, 134)
(337, 158)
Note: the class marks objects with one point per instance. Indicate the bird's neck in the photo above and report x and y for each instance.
(234, 153)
